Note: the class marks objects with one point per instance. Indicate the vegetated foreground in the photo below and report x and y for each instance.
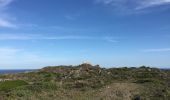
(87, 82)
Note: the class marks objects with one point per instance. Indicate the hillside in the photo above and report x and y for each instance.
(87, 82)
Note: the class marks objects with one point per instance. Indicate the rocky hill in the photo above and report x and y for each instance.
(87, 82)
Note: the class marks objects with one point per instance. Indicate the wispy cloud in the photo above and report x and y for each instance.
(5, 3)
(110, 39)
(43, 37)
(5, 22)
(133, 5)
(18, 58)
(8, 53)
(39, 37)
(157, 50)
(151, 3)
(15, 55)
(72, 16)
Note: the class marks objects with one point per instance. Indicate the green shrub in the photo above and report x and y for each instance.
(7, 85)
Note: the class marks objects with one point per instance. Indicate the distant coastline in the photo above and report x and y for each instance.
(14, 71)
(165, 68)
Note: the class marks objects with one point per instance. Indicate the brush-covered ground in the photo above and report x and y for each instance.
(87, 82)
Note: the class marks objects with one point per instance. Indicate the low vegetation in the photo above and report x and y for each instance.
(8, 85)
(87, 82)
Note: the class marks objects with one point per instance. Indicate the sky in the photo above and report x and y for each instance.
(111, 33)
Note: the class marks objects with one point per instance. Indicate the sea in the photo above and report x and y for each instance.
(14, 71)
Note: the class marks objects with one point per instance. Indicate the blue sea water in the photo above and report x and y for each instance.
(13, 71)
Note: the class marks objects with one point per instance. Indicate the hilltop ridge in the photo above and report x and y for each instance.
(85, 81)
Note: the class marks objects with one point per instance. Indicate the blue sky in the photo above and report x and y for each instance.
(112, 33)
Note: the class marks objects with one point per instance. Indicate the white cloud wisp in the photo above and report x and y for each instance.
(133, 5)
(43, 37)
(157, 50)
(5, 22)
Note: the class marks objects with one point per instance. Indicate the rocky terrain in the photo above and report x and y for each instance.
(87, 82)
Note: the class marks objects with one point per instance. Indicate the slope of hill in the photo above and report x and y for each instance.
(87, 82)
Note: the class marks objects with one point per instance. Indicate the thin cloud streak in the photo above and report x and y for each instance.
(39, 37)
(133, 5)
(8, 51)
(157, 50)
(72, 16)
(152, 3)
(110, 39)
(42, 37)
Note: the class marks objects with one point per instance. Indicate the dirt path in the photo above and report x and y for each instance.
(118, 91)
